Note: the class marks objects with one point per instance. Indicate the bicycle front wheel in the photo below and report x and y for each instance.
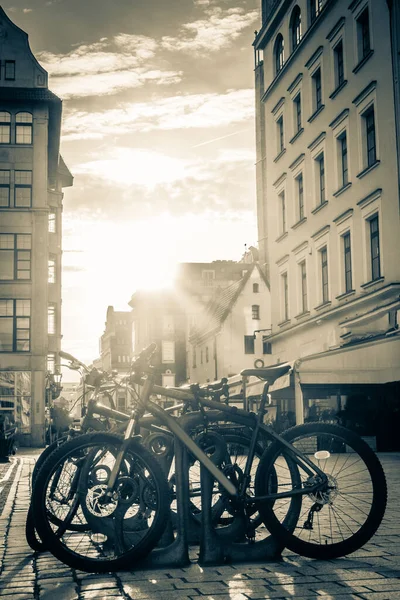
(115, 531)
(344, 514)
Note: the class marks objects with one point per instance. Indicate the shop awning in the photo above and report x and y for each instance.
(373, 362)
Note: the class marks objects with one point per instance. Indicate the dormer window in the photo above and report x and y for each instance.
(23, 128)
(9, 70)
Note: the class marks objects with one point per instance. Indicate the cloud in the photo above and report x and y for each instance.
(27, 10)
(213, 33)
(176, 112)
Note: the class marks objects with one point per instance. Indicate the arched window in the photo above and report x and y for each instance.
(315, 9)
(295, 27)
(5, 127)
(279, 53)
(23, 128)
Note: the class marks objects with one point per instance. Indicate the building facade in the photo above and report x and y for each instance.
(328, 201)
(32, 175)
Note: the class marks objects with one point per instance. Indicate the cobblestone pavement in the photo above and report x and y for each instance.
(372, 573)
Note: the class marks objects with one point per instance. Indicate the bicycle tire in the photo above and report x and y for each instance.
(110, 541)
(355, 480)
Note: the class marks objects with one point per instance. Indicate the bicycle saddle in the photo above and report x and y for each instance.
(269, 374)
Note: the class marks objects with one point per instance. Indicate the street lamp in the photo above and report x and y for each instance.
(55, 384)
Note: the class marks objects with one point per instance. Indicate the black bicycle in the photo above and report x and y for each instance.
(318, 488)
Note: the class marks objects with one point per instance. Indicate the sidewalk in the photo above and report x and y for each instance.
(372, 573)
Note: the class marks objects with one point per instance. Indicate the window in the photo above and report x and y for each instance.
(285, 297)
(375, 248)
(370, 136)
(303, 285)
(255, 311)
(51, 362)
(207, 354)
(167, 351)
(297, 112)
(339, 66)
(348, 276)
(15, 325)
(363, 34)
(282, 202)
(321, 178)
(279, 53)
(344, 172)
(15, 256)
(266, 346)
(315, 9)
(256, 288)
(208, 278)
(5, 127)
(317, 89)
(249, 344)
(51, 277)
(4, 189)
(324, 274)
(201, 356)
(295, 27)
(52, 222)
(51, 319)
(280, 134)
(23, 189)
(300, 196)
(23, 128)
(9, 70)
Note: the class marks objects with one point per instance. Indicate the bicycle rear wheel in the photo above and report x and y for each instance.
(115, 531)
(343, 515)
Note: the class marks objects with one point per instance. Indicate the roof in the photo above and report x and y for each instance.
(35, 94)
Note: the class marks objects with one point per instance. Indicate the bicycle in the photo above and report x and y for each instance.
(319, 489)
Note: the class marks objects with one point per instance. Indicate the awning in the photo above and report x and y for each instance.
(255, 386)
(373, 362)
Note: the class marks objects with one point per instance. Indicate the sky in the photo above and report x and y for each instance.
(158, 132)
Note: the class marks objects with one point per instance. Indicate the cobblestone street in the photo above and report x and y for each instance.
(372, 573)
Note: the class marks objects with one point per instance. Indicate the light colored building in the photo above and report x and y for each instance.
(32, 175)
(328, 201)
(230, 334)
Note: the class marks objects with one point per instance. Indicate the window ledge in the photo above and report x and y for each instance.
(342, 189)
(316, 113)
(296, 135)
(296, 225)
(363, 61)
(372, 283)
(346, 295)
(282, 236)
(323, 305)
(338, 89)
(281, 153)
(368, 169)
(319, 207)
(302, 315)
(283, 323)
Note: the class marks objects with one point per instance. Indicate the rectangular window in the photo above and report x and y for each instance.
(324, 275)
(339, 66)
(5, 127)
(321, 178)
(348, 275)
(23, 189)
(51, 362)
(266, 346)
(4, 188)
(317, 85)
(285, 296)
(303, 283)
(300, 196)
(249, 344)
(363, 34)
(168, 351)
(280, 135)
(208, 278)
(297, 112)
(15, 256)
(370, 136)
(343, 159)
(315, 9)
(51, 319)
(9, 70)
(255, 311)
(15, 325)
(375, 248)
(282, 203)
(23, 128)
(52, 222)
(51, 277)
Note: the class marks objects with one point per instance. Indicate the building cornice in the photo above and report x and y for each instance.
(365, 92)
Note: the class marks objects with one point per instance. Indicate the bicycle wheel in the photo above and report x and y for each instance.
(342, 516)
(116, 530)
